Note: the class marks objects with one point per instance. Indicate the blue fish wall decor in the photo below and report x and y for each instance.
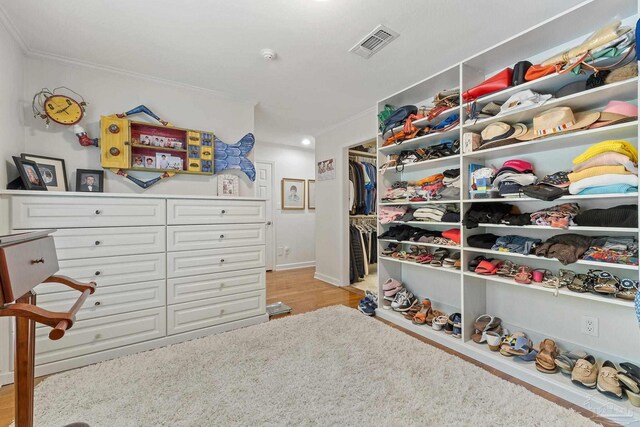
(233, 156)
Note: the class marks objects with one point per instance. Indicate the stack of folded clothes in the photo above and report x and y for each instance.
(516, 244)
(407, 233)
(617, 216)
(389, 214)
(512, 176)
(482, 241)
(605, 168)
(494, 213)
(397, 192)
(616, 250)
(450, 185)
(560, 216)
(567, 248)
(431, 213)
(427, 188)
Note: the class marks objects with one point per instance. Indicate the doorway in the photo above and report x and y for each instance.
(264, 189)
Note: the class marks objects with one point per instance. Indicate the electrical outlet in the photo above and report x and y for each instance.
(287, 250)
(590, 325)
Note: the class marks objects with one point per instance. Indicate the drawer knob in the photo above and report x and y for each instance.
(223, 211)
(114, 151)
(222, 260)
(37, 261)
(97, 303)
(97, 273)
(222, 236)
(114, 128)
(97, 242)
(98, 211)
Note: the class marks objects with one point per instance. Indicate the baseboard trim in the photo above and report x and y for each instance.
(295, 265)
(328, 279)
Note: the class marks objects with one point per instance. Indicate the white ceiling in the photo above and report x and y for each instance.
(313, 84)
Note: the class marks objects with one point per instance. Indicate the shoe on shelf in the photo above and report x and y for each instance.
(567, 360)
(386, 304)
(457, 325)
(629, 376)
(390, 295)
(608, 382)
(413, 310)
(367, 309)
(585, 372)
(403, 301)
(420, 317)
(440, 322)
(545, 360)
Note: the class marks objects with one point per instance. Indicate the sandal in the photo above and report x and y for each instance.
(433, 314)
(628, 289)
(566, 277)
(450, 261)
(438, 256)
(567, 360)
(605, 282)
(486, 322)
(473, 264)
(413, 253)
(579, 284)
(524, 275)
(545, 361)
(420, 317)
(507, 269)
(440, 322)
(390, 249)
(487, 268)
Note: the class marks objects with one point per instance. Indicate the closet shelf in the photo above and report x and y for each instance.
(421, 141)
(362, 216)
(441, 162)
(573, 228)
(582, 101)
(443, 224)
(602, 265)
(559, 142)
(446, 270)
(428, 202)
(425, 330)
(561, 291)
(577, 197)
(428, 245)
(425, 122)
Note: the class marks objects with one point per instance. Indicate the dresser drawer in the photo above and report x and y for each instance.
(104, 333)
(109, 300)
(196, 288)
(205, 313)
(31, 262)
(192, 263)
(73, 243)
(117, 270)
(193, 237)
(181, 211)
(80, 211)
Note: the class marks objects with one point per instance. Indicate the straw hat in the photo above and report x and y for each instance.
(558, 120)
(501, 133)
(616, 112)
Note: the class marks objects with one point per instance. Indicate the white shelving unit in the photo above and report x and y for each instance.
(538, 311)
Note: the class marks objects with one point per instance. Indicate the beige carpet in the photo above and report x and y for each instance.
(330, 367)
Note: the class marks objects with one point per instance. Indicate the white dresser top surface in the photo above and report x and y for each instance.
(118, 195)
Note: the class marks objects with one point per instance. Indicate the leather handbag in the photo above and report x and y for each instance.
(398, 117)
(536, 71)
(519, 71)
(544, 192)
(500, 81)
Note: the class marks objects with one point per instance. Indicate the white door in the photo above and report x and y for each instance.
(265, 190)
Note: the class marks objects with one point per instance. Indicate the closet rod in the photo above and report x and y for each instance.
(362, 154)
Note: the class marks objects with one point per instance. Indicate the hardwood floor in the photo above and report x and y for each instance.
(299, 290)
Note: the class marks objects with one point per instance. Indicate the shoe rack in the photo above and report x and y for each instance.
(539, 312)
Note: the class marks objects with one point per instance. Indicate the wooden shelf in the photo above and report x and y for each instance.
(154, 148)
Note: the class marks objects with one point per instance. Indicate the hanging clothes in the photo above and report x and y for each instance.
(362, 176)
(362, 249)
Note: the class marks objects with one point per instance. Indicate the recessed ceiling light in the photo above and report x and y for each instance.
(306, 141)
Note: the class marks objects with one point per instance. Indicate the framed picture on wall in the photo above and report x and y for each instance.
(228, 186)
(293, 196)
(311, 193)
(52, 170)
(89, 181)
(326, 170)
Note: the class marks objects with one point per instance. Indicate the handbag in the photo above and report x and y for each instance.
(519, 71)
(544, 192)
(398, 117)
(500, 81)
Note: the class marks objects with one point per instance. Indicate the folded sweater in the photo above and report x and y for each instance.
(618, 146)
(598, 170)
(610, 189)
(601, 180)
(606, 159)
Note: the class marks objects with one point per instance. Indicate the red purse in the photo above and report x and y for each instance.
(500, 81)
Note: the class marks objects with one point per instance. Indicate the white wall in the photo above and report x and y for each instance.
(293, 229)
(11, 101)
(332, 256)
(109, 92)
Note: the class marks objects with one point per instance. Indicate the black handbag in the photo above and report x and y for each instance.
(519, 71)
(398, 117)
(544, 192)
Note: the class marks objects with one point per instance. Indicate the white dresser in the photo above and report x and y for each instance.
(168, 269)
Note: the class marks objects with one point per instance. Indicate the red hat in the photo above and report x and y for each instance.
(515, 165)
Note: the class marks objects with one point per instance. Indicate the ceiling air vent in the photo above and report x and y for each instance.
(374, 41)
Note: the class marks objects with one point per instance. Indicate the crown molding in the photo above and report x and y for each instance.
(11, 28)
(32, 53)
(308, 148)
(371, 112)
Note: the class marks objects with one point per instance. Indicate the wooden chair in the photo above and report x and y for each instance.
(27, 260)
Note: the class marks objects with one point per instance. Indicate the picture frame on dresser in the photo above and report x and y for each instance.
(89, 181)
(293, 194)
(53, 171)
(29, 174)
